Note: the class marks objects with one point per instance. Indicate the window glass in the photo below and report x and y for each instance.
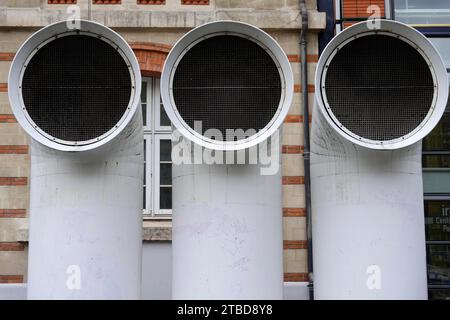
(437, 229)
(164, 119)
(422, 12)
(165, 174)
(145, 173)
(443, 46)
(439, 294)
(438, 264)
(436, 161)
(439, 138)
(144, 102)
(437, 220)
(166, 149)
(436, 145)
(157, 150)
(165, 199)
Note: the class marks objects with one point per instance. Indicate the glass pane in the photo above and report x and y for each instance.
(145, 163)
(436, 161)
(165, 198)
(145, 150)
(443, 46)
(439, 294)
(422, 12)
(144, 197)
(438, 264)
(437, 220)
(144, 114)
(165, 175)
(439, 138)
(165, 150)
(144, 92)
(164, 119)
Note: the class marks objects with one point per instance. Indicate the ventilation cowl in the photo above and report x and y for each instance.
(382, 88)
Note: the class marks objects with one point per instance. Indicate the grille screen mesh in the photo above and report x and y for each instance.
(227, 82)
(76, 88)
(379, 87)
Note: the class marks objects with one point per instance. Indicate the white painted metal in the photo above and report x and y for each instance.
(367, 204)
(367, 210)
(227, 233)
(239, 29)
(227, 219)
(429, 53)
(85, 207)
(48, 34)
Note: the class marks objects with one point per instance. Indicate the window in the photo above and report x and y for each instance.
(435, 147)
(422, 12)
(436, 176)
(157, 152)
(437, 228)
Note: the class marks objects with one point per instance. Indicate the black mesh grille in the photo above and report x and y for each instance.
(227, 82)
(379, 87)
(76, 88)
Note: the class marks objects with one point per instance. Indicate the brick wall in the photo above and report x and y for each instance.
(169, 21)
(358, 10)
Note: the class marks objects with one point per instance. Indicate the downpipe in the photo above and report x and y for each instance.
(306, 150)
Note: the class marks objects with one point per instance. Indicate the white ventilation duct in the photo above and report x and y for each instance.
(378, 93)
(76, 92)
(227, 218)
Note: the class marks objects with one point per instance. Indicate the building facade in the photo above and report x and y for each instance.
(152, 27)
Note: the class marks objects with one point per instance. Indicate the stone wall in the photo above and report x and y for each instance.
(152, 29)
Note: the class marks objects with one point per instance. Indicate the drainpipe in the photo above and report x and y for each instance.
(304, 78)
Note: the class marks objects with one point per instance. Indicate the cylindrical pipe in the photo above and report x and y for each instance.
(227, 215)
(366, 175)
(86, 175)
(368, 222)
(227, 233)
(85, 220)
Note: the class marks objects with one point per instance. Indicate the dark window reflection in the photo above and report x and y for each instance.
(166, 150)
(165, 198)
(164, 119)
(165, 174)
(439, 138)
(438, 264)
(439, 294)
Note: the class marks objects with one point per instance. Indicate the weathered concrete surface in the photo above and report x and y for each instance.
(151, 231)
(272, 19)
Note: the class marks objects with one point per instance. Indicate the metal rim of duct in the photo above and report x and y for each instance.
(424, 47)
(219, 28)
(48, 34)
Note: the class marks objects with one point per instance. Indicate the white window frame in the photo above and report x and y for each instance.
(153, 134)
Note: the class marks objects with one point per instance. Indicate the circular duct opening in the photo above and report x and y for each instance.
(227, 85)
(378, 87)
(381, 85)
(76, 88)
